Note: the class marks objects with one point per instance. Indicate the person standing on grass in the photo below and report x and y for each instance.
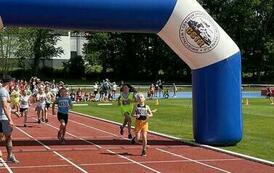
(142, 113)
(269, 95)
(174, 87)
(126, 101)
(6, 122)
(64, 103)
(24, 106)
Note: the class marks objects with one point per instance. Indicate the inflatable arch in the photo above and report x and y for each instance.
(184, 25)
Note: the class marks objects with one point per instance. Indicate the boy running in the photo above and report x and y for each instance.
(141, 112)
(64, 103)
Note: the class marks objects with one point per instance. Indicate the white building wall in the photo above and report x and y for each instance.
(64, 43)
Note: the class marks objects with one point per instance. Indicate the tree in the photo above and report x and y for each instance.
(133, 56)
(251, 24)
(8, 44)
(37, 44)
(75, 67)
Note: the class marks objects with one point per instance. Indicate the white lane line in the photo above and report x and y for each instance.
(121, 163)
(48, 148)
(5, 165)
(187, 141)
(100, 130)
(199, 162)
(112, 152)
(195, 161)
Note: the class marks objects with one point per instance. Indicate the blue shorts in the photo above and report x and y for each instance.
(5, 127)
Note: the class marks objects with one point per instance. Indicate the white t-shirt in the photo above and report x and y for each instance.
(95, 87)
(24, 102)
(41, 98)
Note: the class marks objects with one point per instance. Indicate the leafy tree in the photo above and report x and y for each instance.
(8, 43)
(37, 44)
(75, 67)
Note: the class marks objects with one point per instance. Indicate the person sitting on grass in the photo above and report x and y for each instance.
(142, 113)
(64, 103)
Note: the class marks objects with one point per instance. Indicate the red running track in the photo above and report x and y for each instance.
(96, 146)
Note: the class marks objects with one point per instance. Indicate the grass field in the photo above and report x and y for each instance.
(174, 117)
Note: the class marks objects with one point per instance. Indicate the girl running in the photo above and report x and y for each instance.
(15, 97)
(24, 105)
(126, 101)
(142, 113)
(41, 103)
(64, 103)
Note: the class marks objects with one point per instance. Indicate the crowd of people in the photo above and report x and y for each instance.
(101, 91)
(16, 96)
(158, 90)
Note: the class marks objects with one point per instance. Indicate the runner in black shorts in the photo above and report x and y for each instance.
(62, 116)
(64, 103)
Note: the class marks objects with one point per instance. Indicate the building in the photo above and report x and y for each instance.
(72, 44)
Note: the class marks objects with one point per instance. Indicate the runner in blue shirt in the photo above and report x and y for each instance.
(64, 103)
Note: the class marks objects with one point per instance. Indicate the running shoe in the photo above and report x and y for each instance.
(129, 136)
(39, 121)
(59, 135)
(144, 153)
(62, 141)
(121, 130)
(133, 141)
(12, 159)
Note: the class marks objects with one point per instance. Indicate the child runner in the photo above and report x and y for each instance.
(15, 97)
(41, 99)
(64, 103)
(49, 98)
(126, 100)
(141, 112)
(24, 105)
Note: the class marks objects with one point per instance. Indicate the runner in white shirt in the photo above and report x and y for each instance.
(24, 105)
(41, 104)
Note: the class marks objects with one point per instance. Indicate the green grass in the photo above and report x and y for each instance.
(174, 117)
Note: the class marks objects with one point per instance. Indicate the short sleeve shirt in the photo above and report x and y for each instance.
(4, 96)
(63, 104)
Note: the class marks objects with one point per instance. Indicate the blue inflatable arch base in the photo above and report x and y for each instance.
(184, 25)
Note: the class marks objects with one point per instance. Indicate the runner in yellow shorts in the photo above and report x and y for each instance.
(142, 113)
(126, 101)
(15, 100)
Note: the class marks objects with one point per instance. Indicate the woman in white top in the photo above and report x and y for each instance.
(41, 103)
(24, 105)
